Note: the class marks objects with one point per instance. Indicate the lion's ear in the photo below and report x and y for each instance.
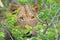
(36, 8)
(13, 6)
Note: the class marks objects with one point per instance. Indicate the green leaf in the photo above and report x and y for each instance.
(39, 27)
(58, 24)
(2, 34)
(0, 25)
(35, 38)
(28, 28)
(20, 38)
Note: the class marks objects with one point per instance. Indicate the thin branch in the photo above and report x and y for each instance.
(8, 32)
(44, 4)
(44, 31)
(10, 35)
(56, 31)
(7, 2)
(54, 16)
(35, 1)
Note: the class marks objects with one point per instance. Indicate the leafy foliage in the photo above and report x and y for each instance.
(46, 13)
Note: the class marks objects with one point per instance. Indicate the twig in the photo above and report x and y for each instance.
(35, 1)
(8, 32)
(7, 2)
(10, 35)
(57, 38)
(44, 31)
(44, 4)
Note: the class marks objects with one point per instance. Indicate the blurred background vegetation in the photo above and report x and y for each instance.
(49, 17)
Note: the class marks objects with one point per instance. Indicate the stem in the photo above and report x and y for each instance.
(44, 31)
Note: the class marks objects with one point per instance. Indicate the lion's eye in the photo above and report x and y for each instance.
(21, 18)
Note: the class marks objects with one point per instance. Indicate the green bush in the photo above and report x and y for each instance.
(47, 13)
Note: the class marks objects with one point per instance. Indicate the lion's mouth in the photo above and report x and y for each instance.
(29, 35)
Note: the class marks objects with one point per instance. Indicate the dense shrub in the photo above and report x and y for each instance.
(49, 17)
